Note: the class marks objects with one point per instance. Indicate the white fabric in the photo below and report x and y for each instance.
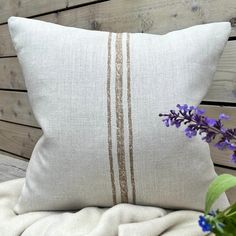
(74, 76)
(122, 220)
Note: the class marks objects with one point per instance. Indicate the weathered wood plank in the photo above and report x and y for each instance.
(28, 136)
(11, 168)
(149, 16)
(28, 8)
(221, 157)
(232, 192)
(11, 76)
(18, 139)
(12, 155)
(6, 46)
(15, 107)
(223, 88)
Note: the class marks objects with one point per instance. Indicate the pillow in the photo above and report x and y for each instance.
(97, 96)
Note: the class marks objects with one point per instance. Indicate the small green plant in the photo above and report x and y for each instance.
(219, 222)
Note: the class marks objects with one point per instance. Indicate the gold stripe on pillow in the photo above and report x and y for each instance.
(120, 119)
(109, 120)
(130, 119)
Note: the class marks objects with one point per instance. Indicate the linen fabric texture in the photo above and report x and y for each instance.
(97, 96)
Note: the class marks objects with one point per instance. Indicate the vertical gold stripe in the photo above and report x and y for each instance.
(120, 119)
(109, 119)
(131, 159)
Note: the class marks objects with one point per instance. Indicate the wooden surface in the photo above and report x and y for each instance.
(223, 88)
(15, 107)
(17, 111)
(19, 131)
(11, 76)
(149, 16)
(11, 168)
(28, 8)
(18, 139)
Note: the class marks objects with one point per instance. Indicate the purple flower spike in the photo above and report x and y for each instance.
(222, 145)
(233, 158)
(198, 123)
(166, 122)
(223, 130)
(183, 108)
(199, 112)
(192, 108)
(232, 147)
(177, 123)
(222, 116)
(190, 132)
(209, 136)
(210, 121)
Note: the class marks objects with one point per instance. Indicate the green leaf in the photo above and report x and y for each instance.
(220, 184)
(230, 228)
(230, 212)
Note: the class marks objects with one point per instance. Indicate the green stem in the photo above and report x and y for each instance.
(234, 213)
(229, 208)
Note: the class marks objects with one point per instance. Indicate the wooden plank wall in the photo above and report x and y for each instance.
(19, 131)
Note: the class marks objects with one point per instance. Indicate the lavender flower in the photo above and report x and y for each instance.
(190, 132)
(210, 121)
(222, 116)
(199, 111)
(233, 157)
(208, 128)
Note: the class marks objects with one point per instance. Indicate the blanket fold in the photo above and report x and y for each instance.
(122, 219)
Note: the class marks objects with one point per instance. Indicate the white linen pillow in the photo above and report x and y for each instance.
(97, 96)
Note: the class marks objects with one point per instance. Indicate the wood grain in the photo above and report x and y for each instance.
(149, 16)
(26, 8)
(223, 88)
(11, 168)
(232, 192)
(11, 76)
(13, 155)
(21, 140)
(221, 157)
(6, 46)
(15, 107)
(18, 139)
